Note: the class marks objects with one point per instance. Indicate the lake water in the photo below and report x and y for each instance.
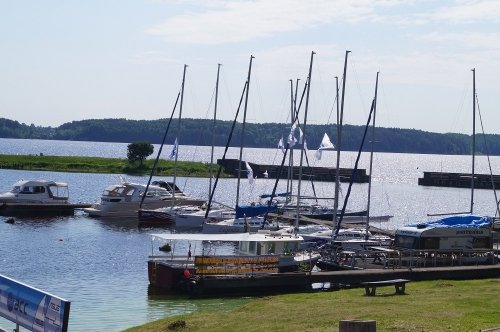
(100, 266)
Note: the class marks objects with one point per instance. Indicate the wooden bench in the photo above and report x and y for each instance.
(371, 286)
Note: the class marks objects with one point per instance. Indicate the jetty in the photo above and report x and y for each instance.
(40, 209)
(459, 180)
(304, 281)
(327, 174)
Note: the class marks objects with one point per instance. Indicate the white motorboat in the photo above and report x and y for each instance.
(123, 200)
(34, 197)
(37, 191)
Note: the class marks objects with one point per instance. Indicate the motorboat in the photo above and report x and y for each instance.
(257, 253)
(124, 200)
(37, 197)
(37, 191)
(458, 232)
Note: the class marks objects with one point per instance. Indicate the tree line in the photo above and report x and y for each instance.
(258, 135)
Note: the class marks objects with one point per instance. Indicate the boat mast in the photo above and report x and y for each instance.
(473, 138)
(371, 159)
(213, 132)
(290, 157)
(178, 133)
(340, 118)
(243, 130)
(304, 137)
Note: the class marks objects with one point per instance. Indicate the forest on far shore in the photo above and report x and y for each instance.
(262, 135)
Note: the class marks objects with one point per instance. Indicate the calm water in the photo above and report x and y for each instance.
(100, 266)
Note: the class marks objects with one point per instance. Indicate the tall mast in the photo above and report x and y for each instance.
(371, 158)
(213, 131)
(290, 157)
(178, 133)
(304, 138)
(473, 138)
(340, 118)
(243, 131)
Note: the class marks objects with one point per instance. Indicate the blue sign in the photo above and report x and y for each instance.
(32, 308)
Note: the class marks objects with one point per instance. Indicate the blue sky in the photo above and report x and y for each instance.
(72, 60)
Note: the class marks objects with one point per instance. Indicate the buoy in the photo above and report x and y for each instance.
(10, 220)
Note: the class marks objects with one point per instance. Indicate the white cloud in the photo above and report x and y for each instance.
(478, 41)
(468, 11)
(236, 21)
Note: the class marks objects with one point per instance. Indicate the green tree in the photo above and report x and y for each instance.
(139, 150)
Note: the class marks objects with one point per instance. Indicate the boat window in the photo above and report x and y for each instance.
(130, 192)
(244, 246)
(291, 246)
(251, 247)
(271, 248)
(481, 243)
(16, 189)
(39, 189)
(430, 243)
(404, 242)
(27, 190)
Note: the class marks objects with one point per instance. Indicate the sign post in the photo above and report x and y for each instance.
(32, 308)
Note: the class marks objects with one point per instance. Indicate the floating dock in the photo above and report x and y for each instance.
(459, 180)
(35, 209)
(231, 166)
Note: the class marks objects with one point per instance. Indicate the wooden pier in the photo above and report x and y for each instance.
(314, 173)
(40, 209)
(302, 281)
(459, 180)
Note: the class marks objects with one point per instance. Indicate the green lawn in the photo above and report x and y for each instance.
(102, 165)
(440, 305)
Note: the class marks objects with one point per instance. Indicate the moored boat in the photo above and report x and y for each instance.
(33, 197)
(123, 200)
(257, 253)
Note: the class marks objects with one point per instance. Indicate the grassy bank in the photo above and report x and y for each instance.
(440, 305)
(102, 165)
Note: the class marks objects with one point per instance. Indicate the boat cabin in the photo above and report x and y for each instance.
(459, 232)
(268, 243)
(41, 191)
(130, 192)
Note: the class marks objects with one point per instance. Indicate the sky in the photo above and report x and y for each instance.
(69, 60)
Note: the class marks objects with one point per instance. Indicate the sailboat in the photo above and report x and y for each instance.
(458, 231)
(163, 215)
(354, 238)
(247, 217)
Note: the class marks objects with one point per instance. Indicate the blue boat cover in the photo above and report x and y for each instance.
(462, 221)
(252, 211)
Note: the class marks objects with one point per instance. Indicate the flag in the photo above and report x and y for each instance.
(326, 144)
(249, 173)
(281, 145)
(301, 136)
(291, 137)
(174, 150)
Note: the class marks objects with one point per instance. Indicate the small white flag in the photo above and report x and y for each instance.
(291, 137)
(173, 153)
(326, 144)
(281, 145)
(249, 173)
